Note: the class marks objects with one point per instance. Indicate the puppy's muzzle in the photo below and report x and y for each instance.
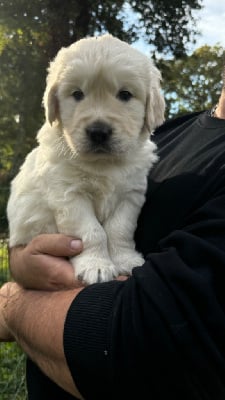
(99, 134)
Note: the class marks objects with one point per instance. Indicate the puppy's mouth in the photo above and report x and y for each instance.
(99, 149)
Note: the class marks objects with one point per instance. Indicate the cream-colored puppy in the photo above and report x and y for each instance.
(87, 177)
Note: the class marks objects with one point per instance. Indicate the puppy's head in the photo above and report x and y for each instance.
(105, 96)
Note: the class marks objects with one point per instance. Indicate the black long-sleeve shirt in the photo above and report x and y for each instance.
(162, 332)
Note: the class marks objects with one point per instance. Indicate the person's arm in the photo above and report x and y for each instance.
(35, 319)
(162, 331)
(169, 316)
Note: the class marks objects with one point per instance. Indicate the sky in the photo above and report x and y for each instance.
(211, 23)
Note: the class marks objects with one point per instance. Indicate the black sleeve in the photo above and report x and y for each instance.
(163, 330)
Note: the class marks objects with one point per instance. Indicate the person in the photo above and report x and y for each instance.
(158, 333)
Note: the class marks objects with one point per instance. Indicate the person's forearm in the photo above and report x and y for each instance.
(36, 320)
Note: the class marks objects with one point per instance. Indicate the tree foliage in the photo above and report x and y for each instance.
(194, 82)
(167, 25)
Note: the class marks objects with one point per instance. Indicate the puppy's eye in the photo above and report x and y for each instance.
(124, 95)
(78, 95)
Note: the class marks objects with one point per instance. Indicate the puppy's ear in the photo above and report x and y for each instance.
(155, 104)
(51, 104)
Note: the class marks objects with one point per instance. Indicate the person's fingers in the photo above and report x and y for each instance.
(122, 277)
(43, 272)
(58, 245)
(43, 263)
(5, 293)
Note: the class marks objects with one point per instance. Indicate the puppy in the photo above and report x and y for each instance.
(87, 177)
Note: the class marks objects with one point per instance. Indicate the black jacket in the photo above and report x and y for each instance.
(161, 333)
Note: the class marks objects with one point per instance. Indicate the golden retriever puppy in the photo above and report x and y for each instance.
(87, 177)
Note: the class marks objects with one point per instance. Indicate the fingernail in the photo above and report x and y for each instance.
(76, 244)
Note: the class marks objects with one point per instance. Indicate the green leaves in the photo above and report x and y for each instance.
(194, 82)
(169, 25)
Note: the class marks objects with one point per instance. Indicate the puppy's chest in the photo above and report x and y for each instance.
(105, 196)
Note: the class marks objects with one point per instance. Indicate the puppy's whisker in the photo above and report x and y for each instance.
(73, 155)
(64, 150)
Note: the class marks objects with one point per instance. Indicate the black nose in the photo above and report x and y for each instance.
(99, 132)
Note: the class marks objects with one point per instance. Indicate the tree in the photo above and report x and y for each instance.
(167, 25)
(194, 82)
(21, 88)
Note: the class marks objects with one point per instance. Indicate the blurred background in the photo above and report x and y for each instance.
(186, 38)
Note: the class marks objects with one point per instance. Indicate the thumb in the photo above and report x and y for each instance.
(57, 245)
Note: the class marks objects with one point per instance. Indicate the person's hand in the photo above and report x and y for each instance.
(5, 292)
(122, 277)
(43, 263)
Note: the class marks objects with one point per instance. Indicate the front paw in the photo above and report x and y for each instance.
(93, 269)
(126, 260)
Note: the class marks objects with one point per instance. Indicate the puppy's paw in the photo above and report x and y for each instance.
(93, 269)
(127, 260)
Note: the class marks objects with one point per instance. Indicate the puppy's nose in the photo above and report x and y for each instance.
(99, 132)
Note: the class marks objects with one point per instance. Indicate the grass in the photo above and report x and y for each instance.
(12, 359)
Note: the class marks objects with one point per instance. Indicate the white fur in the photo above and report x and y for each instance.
(65, 185)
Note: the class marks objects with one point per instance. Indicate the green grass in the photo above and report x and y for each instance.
(4, 262)
(12, 359)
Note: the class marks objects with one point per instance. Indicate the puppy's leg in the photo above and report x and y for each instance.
(78, 219)
(120, 229)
